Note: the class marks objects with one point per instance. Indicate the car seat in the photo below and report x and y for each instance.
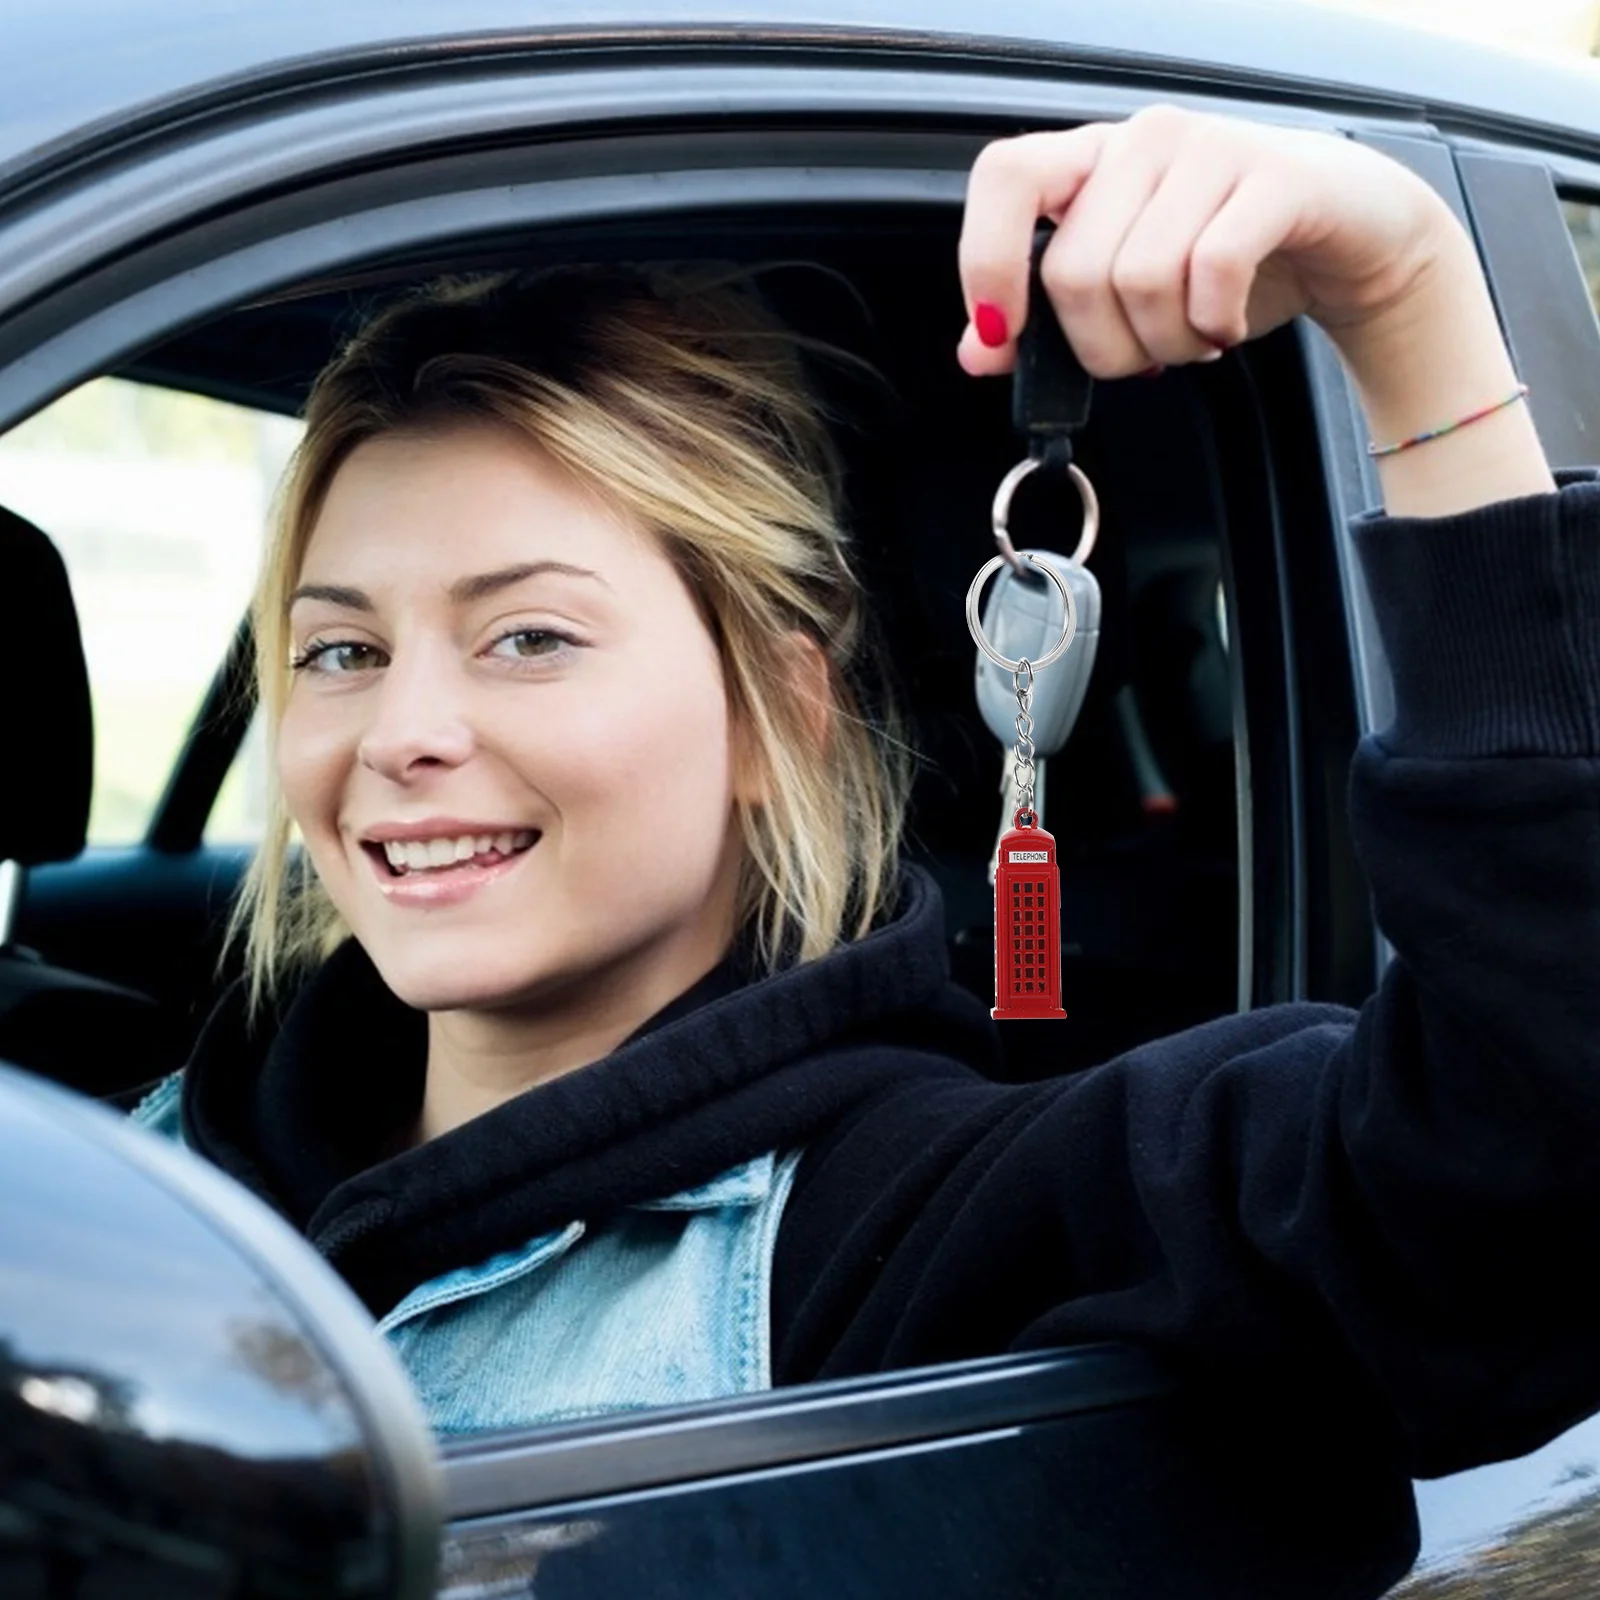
(81, 1031)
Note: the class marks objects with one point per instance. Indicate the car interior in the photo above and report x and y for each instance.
(113, 957)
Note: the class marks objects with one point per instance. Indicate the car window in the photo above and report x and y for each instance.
(239, 813)
(1583, 218)
(156, 500)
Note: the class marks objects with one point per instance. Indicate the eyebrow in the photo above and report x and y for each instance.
(486, 583)
(463, 591)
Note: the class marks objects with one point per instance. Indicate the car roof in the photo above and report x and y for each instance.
(75, 68)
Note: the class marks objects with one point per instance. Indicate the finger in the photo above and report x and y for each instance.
(1251, 224)
(1150, 275)
(1076, 269)
(1013, 183)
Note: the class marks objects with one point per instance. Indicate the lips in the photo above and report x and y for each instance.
(433, 865)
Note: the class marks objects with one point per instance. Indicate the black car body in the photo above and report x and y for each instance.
(201, 197)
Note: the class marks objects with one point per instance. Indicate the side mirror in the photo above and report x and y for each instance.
(191, 1403)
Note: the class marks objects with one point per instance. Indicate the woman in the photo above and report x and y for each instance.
(621, 1064)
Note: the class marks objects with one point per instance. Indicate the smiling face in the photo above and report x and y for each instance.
(507, 746)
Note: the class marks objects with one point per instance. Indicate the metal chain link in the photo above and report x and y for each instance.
(1022, 756)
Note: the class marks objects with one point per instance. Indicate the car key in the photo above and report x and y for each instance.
(1023, 618)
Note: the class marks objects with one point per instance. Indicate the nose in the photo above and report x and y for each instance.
(419, 724)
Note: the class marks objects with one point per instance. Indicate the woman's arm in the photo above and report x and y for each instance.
(1428, 360)
(1384, 1221)
(1179, 233)
(1400, 1206)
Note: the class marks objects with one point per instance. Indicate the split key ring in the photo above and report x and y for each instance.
(1001, 514)
(993, 564)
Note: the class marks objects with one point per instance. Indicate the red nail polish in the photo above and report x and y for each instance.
(990, 321)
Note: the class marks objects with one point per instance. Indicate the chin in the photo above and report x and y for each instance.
(462, 983)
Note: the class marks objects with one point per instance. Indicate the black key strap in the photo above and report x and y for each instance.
(1050, 391)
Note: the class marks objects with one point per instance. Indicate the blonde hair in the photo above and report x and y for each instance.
(676, 394)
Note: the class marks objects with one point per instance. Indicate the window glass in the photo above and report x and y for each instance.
(156, 501)
(1583, 218)
(239, 815)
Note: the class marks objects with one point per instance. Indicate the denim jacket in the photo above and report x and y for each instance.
(668, 1302)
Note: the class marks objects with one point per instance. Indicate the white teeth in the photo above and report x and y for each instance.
(418, 855)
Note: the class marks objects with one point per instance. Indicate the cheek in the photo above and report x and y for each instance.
(313, 757)
(657, 762)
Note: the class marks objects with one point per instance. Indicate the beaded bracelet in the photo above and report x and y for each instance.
(1450, 427)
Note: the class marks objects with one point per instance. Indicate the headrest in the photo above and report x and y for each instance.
(46, 726)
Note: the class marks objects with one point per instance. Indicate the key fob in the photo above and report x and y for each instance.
(1023, 617)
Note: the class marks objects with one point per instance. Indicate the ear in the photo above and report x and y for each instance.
(806, 674)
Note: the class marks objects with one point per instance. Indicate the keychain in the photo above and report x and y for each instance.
(1050, 402)
(1020, 618)
(1027, 885)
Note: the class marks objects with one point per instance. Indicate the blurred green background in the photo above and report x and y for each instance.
(157, 501)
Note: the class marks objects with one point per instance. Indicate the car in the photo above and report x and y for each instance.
(195, 205)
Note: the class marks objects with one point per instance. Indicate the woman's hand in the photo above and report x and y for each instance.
(1180, 234)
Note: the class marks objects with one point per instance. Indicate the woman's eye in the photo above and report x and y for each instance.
(337, 656)
(527, 644)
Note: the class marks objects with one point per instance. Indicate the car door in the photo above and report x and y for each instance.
(1081, 1472)
(1019, 1476)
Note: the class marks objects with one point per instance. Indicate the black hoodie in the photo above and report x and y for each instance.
(1396, 1210)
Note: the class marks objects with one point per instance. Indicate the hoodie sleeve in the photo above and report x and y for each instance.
(1405, 1198)
(1451, 1181)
